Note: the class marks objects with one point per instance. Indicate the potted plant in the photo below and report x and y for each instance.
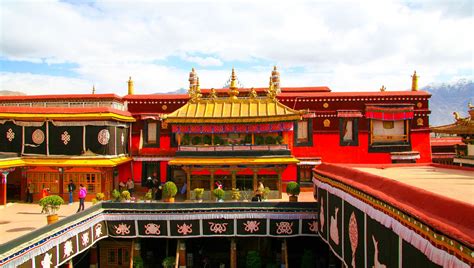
(198, 193)
(169, 191)
(186, 139)
(269, 140)
(235, 194)
(169, 262)
(51, 205)
(265, 193)
(293, 190)
(253, 259)
(99, 197)
(219, 194)
(116, 195)
(279, 140)
(207, 140)
(196, 140)
(149, 195)
(126, 196)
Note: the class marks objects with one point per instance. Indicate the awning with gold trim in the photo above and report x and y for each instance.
(64, 162)
(185, 161)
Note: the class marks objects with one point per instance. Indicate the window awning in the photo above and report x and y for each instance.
(349, 113)
(232, 128)
(389, 112)
(186, 161)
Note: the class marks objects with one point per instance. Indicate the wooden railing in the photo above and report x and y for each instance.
(221, 148)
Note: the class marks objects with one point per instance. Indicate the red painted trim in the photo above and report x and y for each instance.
(67, 97)
(62, 110)
(447, 215)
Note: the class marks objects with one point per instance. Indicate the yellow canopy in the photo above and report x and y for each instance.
(219, 161)
(63, 162)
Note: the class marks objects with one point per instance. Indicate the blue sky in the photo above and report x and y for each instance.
(69, 46)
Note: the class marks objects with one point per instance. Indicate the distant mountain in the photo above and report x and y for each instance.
(448, 98)
(11, 93)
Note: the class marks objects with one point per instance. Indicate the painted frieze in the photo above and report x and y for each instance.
(152, 228)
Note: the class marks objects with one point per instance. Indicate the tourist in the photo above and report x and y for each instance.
(158, 189)
(44, 193)
(130, 186)
(82, 197)
(29, 193)
(149, 183)
(71, 187)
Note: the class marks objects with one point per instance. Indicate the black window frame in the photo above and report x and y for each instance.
(355, 132)
(145, 133)
(145, 165)
(310, 133)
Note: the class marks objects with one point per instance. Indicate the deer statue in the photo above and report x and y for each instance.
(333, 229)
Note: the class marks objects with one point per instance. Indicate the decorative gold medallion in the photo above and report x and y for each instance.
(419, 121)
(327, 123)
(164, 107)
(419, 104)
(325, 105)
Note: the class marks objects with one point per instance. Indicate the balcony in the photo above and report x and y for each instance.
(233, 150)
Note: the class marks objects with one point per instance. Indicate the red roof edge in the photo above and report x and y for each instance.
(60, 97)
(450, 216)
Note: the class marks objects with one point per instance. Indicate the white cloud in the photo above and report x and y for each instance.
(346, 45)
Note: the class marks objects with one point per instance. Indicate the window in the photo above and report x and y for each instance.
(389, 131)
(304, 173)
(91, 181)
(151, 134)
(118, 256)
(44, 180)
(304, 133)
(348, 131)
(150, 169)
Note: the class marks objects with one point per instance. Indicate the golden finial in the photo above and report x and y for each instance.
(271, 90)
(456, 116)
(130, 86)
(253, 93)
(414, 82)
(233, 92)
(93, 89)
(276, 80)
(383, 88)
(213, 94)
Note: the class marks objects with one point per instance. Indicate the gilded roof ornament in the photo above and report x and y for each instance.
(194, 88)
(130, 86)
(276, 80)
(93, 89)
(233, 91)
(271, 94)
(414, 82)
(383, 88)
(213, 94)
(253, 93)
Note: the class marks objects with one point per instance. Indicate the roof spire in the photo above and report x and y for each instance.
(93, 89)
(233, 91)
(271, 90)
(194, 88)
(414, 82)
(383, 88)
(276, 80)
(130, 86)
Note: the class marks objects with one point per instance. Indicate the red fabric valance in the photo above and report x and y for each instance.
(389, 113)
(233, 128)
(349, 113)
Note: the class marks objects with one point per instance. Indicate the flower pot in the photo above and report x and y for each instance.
(220, 200)
(169, 199)
(52, 218)
(198, 200)
(293, 198)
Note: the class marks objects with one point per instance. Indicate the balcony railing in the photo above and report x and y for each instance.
(279, 149)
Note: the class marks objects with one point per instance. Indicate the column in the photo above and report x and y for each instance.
(211, 182)
(233, 253)
(188, 183)
(255, 178)
(136, 255)
(182, 254)
(279, 184)
(3, 177)
(284, 254)
(233, 173)
(93, 260)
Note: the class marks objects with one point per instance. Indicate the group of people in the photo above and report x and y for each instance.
(71, 187)
(154, 184)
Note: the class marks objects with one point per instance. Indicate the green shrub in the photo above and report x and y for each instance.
(293, 188)
(219, 193)
(186, 139)
(207, 139)
(259, 140)
(265, 193)
(279, 140)
(149, 195)
(253, 260)
(198, 192)
(126, 195)
(218, 140)
(269, 140)
(169, 189)
(248, 139)
(116, 195)
(169, 262)
(100, 196)
(196, 140)
(51, 204)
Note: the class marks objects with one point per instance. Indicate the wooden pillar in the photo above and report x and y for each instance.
(255, 178)
(182, 254)
(188, 183)
(279, 183)
(136, 247)
(93, 260)
(233, 253)
(212, 183)
(234, 179)
(253, 139)
(179, 138)
(284, 254)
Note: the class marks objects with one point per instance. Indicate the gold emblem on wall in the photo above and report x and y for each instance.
(164, 107)
(419, 104)
(419, 121)
(325, 105)
(327, 123)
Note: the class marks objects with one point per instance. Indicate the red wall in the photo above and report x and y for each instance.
(420, 141)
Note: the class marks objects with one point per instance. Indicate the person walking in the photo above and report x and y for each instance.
(130, 186)
(44, 193)
(82, 197)
(71, 187)
(29, 193)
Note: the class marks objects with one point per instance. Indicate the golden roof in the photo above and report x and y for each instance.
(462, 126)
(63, 162)
(227, 110)
(231, 109)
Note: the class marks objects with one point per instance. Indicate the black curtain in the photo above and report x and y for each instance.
(65, 140)
(36, 144)
(10, 137)
(122, 147)
(92, 140)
